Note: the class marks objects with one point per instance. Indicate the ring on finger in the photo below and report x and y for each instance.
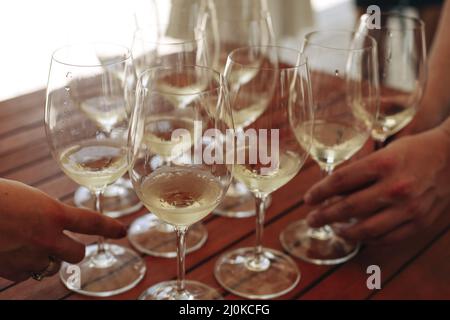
(50, 269)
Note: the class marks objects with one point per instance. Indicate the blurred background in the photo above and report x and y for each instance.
(31, 30)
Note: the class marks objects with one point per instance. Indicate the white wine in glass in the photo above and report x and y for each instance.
(92, 153)
(201, 193)
(333, 142)
(185, 189)
(288, 167)
(346, 100)
(95, 163)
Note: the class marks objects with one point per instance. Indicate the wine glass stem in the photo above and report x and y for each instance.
(181, 254)
(260, 201)
(98, 207)
(324, 231)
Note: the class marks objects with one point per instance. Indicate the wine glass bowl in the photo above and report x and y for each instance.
(87, 123)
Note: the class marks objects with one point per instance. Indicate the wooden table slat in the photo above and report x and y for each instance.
(17, 122)
(21, 140)
(22, 158)
(22, 103)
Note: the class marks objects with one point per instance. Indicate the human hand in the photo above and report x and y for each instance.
(427, 118)
(393, 193)
(31, 230)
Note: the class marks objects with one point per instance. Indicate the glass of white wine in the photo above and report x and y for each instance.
(168, 45)
(235, 24)
(346, 99)
(186, 188)
(93, 152)
(272, 157)
(401, 69)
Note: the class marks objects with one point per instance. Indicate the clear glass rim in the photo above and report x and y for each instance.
(126, 51)
(139, 32)
(302, 61)
(307, 40)
(418, 23)
(216, 75)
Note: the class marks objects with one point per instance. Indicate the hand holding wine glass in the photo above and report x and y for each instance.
(402, 189)
(399, 190)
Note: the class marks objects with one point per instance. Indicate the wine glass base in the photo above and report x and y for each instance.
(122, 271)
(235, 273)
(168, 291)
(118, 200)
(151, 236)
(298, 240)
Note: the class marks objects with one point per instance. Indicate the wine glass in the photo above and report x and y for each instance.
(346, 97)
(239, 23)
(89, 99)
(168, 45)
(258, 272)
(401, 69)
(183, 190)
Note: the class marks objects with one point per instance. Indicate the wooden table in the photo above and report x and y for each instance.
(418, 268)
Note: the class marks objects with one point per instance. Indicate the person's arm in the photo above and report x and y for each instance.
(435, 105)
(393, 193)
(32, 226)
